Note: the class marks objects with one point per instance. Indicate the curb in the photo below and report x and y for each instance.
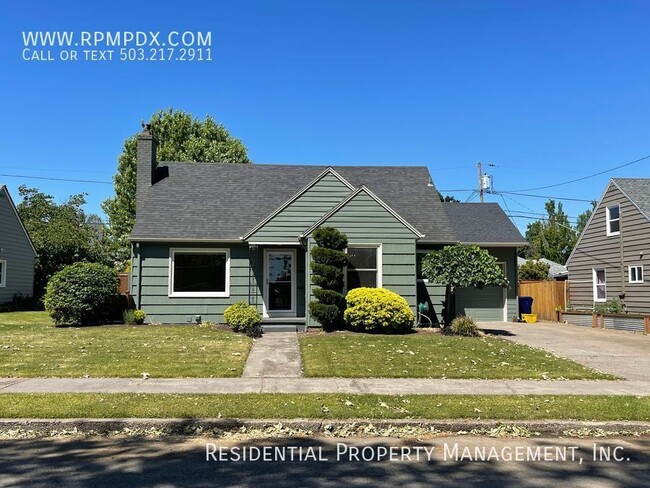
(306, 427)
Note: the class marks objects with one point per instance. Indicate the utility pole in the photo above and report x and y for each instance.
(480, 181)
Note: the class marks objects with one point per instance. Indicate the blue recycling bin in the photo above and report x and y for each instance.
(525, 305)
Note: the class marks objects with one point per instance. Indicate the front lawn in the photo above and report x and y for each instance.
(324, 406)
(30, 346)
(425, 355)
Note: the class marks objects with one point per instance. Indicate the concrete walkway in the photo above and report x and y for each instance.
(274, 355)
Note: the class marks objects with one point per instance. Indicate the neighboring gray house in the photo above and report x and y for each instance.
(556, 271)
(17, 252)
(209, 235)
(609, 258)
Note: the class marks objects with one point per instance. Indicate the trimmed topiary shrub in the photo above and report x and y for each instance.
(328, 262)
(245, 318)
(83, 294)
(377, 310)
(462, 326)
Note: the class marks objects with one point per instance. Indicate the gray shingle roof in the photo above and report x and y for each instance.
(196, 201)
(482, 223)
(637, 190)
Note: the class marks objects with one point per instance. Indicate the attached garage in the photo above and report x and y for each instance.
(488, 304)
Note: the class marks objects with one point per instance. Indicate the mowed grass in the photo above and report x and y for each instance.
(425, 355)
(324, 406)
(30, 346)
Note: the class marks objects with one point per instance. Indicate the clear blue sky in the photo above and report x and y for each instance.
(546, 91)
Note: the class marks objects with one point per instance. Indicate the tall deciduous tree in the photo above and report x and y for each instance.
(553, 237)
(461, 266)
(62, 233)
(181, 137)
(584, 217)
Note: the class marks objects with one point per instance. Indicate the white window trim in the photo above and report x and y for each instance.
(197, 294)
(377, 246)
(595, 284)
(3, 274)
(613, 220)
(266, 313)
(629, 274)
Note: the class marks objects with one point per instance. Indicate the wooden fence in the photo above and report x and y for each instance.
(124, 283)
(547, 296)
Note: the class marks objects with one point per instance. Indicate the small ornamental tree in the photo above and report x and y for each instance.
(327, 265)
(462, 266)
(534, 270)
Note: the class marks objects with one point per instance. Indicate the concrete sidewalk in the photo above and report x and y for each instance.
(383, 386)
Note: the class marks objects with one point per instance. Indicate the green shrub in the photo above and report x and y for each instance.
(613, 305)
(462, 326)
(377, 310)
(132, 317)
(331, 238)
(328, 261)
(245, 318)
(83, 294)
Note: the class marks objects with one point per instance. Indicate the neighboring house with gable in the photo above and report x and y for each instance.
(609, 259)
(556, 271)
(210, 235)
(17, 253)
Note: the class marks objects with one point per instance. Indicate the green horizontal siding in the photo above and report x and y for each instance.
(303, 212)
(364, 221)
(152, 289)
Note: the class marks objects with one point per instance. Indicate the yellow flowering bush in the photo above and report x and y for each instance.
(377, 310)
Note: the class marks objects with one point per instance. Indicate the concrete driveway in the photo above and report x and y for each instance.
(624, 354)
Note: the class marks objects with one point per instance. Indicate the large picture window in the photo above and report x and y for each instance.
(3, 273)
(199, 273)
(364, 267)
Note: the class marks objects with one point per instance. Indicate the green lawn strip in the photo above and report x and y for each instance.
(324, 406)
(348, 355)
(30, 346)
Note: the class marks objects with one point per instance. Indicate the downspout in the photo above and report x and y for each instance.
(622, 258)
(137, 246)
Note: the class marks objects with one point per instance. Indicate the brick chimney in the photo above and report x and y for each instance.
(146, 162)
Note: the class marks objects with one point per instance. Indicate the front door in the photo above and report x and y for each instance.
(280, 283)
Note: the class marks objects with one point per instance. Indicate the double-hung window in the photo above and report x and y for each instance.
(635, 273)
(600, 285)
(199, 273)
(3, 273)
(613, 220)
(364, 266)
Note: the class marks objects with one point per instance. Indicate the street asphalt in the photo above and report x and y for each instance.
(319, 461)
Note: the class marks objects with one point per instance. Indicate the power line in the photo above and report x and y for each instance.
(546, 196)
(56, 179)
(56, 170)
(588, 176)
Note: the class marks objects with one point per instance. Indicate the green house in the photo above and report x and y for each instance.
(210, 235)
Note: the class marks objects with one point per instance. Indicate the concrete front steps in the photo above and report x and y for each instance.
(289, 324)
